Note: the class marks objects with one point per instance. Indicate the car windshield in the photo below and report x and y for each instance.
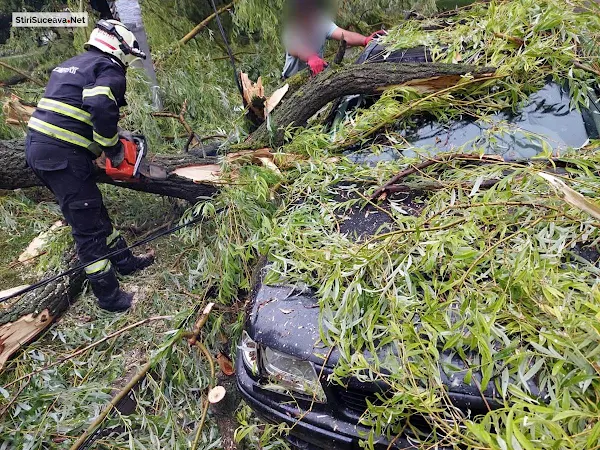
(545, 123)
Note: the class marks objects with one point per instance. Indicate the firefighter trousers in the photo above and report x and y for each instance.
(67, 170)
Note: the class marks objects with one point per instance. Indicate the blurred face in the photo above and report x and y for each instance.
(303, 12)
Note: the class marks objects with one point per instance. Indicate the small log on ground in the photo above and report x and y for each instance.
(24, 319)
(303, 101)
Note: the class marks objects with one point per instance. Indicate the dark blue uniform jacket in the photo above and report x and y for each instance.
(81, 102)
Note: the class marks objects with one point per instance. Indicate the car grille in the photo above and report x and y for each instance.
(357, 400)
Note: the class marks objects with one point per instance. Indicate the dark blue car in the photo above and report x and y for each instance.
(282, 366)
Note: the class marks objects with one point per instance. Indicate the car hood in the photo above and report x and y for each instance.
(286, 319)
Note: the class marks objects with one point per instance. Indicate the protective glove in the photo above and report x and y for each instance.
(373, 36)
(115, 154)
(95, 149)
(124, 134)
(316, 64)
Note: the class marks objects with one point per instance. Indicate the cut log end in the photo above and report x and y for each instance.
(210, 173)
(216, 394)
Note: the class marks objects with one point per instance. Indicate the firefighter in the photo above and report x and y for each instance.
(307, 29)
(73, 124)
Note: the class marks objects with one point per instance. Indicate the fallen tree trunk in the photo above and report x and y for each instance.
(309, 98)
(15, 174)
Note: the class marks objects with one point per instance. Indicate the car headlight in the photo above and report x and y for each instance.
(249, 349)
(288, 373)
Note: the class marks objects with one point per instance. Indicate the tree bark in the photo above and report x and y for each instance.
(15, 174)
(27, 317)
(309, 98)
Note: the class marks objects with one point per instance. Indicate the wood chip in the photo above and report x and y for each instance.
(225, 364)
(16, 112)
(276, 98)
(14, 335)
(252, 92)
(38, 245)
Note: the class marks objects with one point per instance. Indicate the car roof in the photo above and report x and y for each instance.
(545, 120)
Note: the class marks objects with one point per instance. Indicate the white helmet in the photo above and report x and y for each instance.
(112, 37)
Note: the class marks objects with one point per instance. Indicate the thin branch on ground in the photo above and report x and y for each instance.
(587, 68)
(116, 399)
(206, 404)
(444, 159)
(515, 40)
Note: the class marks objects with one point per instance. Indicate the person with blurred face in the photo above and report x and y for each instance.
(307, 30)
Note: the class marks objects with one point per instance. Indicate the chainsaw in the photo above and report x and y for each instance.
(134, 163)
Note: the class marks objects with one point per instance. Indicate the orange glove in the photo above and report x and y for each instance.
(316, 64)
(373, 36)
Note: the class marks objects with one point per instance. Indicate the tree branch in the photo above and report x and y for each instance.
(23, 74)
(197, 28)
(303, 101)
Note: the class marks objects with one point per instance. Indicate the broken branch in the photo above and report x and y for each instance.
(193, 338)
(307, 99)
(23, 74)
(201, 25)
(443, 159)
(181, 118)
(587, 68)
(341, 52)
(515, 40)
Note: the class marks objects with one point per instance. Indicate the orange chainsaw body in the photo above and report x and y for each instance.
(127, 170)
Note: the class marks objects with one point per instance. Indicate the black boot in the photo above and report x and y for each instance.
(125, 262)
(106, 288)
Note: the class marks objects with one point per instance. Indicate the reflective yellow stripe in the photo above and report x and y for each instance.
(98, 267)
(58, 133)
(106, 142)
(65, 109)
(113, 237)
(99, 90)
